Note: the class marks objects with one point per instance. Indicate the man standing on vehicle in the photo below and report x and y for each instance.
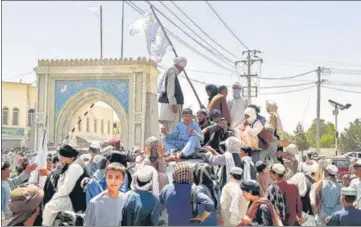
(356, 183)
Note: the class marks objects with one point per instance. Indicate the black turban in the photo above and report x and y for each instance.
(68, 151)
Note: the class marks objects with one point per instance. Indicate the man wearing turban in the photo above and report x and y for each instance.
(171, 95)
(236, 106)
(274, 118)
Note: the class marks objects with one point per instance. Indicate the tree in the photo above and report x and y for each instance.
(300, 139)
(351, 139)
(327, 134)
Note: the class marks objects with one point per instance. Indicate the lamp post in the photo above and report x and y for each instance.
(335, 112)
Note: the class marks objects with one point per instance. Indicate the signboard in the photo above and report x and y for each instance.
(12, 131)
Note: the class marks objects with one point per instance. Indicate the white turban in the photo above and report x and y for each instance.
(310, 166)
(252, 115)
(291, 149)
(180, 61)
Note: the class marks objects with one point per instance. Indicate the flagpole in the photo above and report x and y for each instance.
(122, 30)
(175, 53)
(101, 31)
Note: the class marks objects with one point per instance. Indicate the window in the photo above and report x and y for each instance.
(79, 124)
(102, 126)
(87, 125)
(108, 127)
(95, 125)
(31, 113)
(5, 116)
(15, 116)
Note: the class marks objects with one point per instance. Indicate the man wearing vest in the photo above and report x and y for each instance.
(171, 96)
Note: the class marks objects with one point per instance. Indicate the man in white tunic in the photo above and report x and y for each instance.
(233, 204)
(171, 96)
(237, 106)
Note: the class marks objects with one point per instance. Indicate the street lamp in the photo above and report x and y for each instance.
(335, 112)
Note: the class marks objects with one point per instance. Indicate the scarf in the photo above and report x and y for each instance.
(272, 107)
(162, 82)
(252, 211)
(25, 199)
(275, 196)
(152, 185)
(247, 167)
(182, 173)
(233, 145)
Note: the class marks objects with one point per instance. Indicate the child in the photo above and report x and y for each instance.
(106, 208)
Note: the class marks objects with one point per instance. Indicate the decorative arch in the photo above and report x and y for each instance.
(63, 121)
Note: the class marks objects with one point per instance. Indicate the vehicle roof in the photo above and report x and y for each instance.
(339, 158)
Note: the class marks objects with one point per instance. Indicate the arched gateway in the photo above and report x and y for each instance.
(128, 86)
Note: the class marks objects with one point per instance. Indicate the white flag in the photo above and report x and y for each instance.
(157, 43)
(40, 159)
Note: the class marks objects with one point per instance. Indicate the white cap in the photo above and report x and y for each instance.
(236, 170)
(332, 169)
(278, 168)
(310, 166)
(145, 173)
(349, 191)
(180, 61)
(291, 149)
(95, 145)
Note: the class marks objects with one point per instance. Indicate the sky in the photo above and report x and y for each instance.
(294, 37)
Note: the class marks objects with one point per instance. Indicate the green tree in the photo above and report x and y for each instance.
(327, 134)
(288, 136)
(300, 139)
(351, 139)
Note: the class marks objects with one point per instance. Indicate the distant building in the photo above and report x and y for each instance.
(18, 119)
(18, 108)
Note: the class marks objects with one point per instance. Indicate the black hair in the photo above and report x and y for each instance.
(5, 165)
(260, 168)
(222, 88)
(187, 111)
(280, 148)
(250, 186)
(236, 176)
(213, 90)
(349, 198)
(55, 160)
(247, 150)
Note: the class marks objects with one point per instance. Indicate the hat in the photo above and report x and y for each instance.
(291, 149)
(357, 164)
(236, 86)
(215, 113)
(145, 174)
(180, 61)
(278, 168)
(68, 151)
(117, 156)
(332, 169)
(236, 171)
(349, 191)
(249, 186)
(310, 166)
(95, 145)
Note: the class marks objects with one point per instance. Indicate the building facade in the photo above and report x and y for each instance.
(18, 108)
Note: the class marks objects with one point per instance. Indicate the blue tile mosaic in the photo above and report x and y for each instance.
(65, 89)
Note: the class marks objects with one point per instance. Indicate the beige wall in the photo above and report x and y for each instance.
(23, 97)
(98, 113)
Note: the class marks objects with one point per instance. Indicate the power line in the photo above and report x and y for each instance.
(215, 51)
(224, 23)
(339, 89)
(186, 33)
(289, 77)
(205, 33)
(346, 84)
(286, 92)
(202, 71)
(140, 11)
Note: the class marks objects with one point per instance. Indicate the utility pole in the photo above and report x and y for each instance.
(251, 58)
(122, 30)
(101, 32)
(318, 109)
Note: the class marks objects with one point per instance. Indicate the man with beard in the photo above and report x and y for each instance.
(236, 106)
(171, 96)
(203, 122)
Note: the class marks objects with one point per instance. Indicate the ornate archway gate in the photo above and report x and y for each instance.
(128, 86)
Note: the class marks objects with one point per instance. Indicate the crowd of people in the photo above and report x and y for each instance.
(224, 165)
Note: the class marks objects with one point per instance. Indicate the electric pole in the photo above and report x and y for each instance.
(318, 109)
(251, 58)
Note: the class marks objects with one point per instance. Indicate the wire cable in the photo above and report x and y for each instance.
(186, 33)
(140, 11)
(286, 92)
(289, 77)
(339, 89)
(205, 33)
(215, 51)
(224, 23)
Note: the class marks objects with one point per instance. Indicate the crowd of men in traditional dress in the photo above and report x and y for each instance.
(223, 166)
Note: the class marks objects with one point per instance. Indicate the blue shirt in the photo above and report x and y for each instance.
(141, 209)
(95, 187)
(347, 216)
(177, 199)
